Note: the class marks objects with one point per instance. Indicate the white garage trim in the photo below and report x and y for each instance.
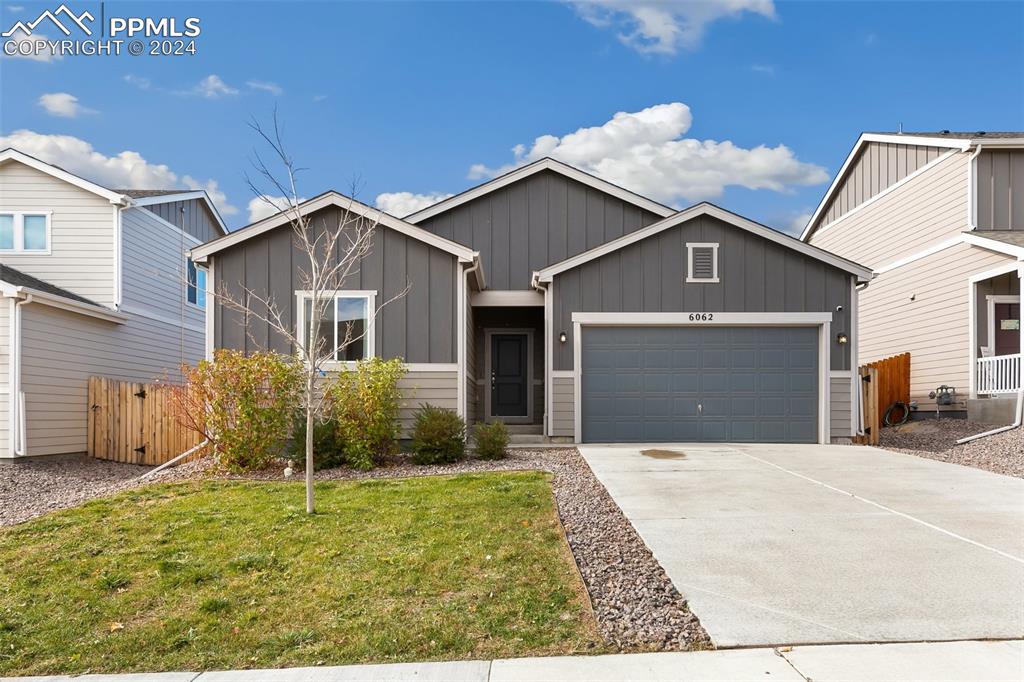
(821, 320)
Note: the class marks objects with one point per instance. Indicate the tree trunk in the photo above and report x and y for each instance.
(310, 387)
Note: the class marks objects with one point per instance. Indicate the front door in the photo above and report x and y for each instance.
(1007, 323)
(509, 375)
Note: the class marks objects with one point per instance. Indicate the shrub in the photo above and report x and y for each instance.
(328, 448)
(364, 405)
(438, 436)
(491, 440)
(242, 404)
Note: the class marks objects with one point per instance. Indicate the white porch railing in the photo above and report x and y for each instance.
(999, 374)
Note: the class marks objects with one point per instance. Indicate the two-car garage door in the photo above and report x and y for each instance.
(699, 384)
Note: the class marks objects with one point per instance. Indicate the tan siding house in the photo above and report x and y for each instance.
(92, 283)
(941, 275)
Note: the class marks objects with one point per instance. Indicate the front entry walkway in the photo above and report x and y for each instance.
(802, 544)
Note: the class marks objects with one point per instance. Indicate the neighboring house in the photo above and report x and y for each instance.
(940, 218)
(553, 299)
(92, 282)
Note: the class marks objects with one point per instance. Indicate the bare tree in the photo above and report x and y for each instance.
(330, 255)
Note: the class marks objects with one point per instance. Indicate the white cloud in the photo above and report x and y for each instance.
(126, 169)
(211, 87)
(260, 207)
(659, 27)
(266, 86)
(37, 46)
(797, 223)
(766, 69)
(319, 98)
(15, 8)
(63, 104)
(141, 82)
(402, 204)
(645, 151)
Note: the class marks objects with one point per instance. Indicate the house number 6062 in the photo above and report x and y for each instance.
(701, 317)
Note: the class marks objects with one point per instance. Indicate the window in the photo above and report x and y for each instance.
(702, 263)
(27, 232)
(196, 284)
(345, 326)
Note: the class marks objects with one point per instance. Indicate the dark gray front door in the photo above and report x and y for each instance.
(700, 384)
(509, 375)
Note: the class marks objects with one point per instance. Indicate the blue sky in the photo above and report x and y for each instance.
(410, 97)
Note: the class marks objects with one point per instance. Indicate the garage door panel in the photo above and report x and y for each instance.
(754, 384)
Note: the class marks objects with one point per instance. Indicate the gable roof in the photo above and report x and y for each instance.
(12, 154)
(18, 278)
(119, 197)
(22, 285)
(960, 141)
(325, 200)
(863, 274)
(545, 164)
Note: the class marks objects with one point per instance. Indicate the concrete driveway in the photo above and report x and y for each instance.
(800, 544)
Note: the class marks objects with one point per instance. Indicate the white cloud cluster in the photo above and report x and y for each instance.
(660, 27)
(211, 87)
(266, 86)
(42, 52)
(266, 205)
(63, 104)
(645, 151)
(401, 204)
(126, 169)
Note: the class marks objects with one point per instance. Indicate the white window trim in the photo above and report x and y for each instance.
(690, 246)
(19, 233)
(371, 310)
(188, 285)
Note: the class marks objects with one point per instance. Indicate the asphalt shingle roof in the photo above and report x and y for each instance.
(143, 193)
(20, 279)
(1012, 237)
(955, 134)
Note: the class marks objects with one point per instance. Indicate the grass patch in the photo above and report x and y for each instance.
(221, 575)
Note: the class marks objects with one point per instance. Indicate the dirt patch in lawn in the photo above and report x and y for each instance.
(936, 439)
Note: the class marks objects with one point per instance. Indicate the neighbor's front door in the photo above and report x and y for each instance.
(1007, 319)
(508, 375)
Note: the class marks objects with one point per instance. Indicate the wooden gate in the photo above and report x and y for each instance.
(135, 423)
(893, 380)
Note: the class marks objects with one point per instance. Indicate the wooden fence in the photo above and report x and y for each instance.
(882, 382)
(135, 423)
(871, 417)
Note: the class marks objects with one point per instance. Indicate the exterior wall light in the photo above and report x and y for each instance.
(562, 337)
(842, 339)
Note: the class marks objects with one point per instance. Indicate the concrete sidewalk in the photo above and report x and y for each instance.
(947, 661)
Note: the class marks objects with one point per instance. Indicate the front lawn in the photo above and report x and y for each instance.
(221, 575)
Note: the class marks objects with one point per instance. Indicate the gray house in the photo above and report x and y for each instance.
(554, 300)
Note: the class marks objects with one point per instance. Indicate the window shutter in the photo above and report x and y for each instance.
(703, 262)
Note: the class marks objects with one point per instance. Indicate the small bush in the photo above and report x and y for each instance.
(438, 436)
(328, 448)
(364, 404)
(243, 404)
(491, 440)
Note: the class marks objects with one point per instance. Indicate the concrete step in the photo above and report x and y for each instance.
(525, 428)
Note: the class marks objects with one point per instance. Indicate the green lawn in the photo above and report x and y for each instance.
(235, 575)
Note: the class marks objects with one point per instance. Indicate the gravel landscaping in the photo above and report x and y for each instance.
(1002, 453)
(634, 602)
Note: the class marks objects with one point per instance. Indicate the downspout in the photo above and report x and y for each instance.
(17, 395)
(1019, 412)
(972, 190)
(463, 406)
(548, 340)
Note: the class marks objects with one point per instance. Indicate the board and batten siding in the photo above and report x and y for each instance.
(928, 209)
(756, 275)
(81, 257)
(62, 349)
(6, 311)
(924, 309)
(419, 326)
(153, 276)
(193, 216)
(878, 166)
(1000, 191)
(536, 222)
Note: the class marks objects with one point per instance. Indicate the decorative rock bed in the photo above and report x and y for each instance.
(636, 605)
(1002, 453)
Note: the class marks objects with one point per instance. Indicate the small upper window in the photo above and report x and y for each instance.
(702, 263)
(24, 232)
(196, 285)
